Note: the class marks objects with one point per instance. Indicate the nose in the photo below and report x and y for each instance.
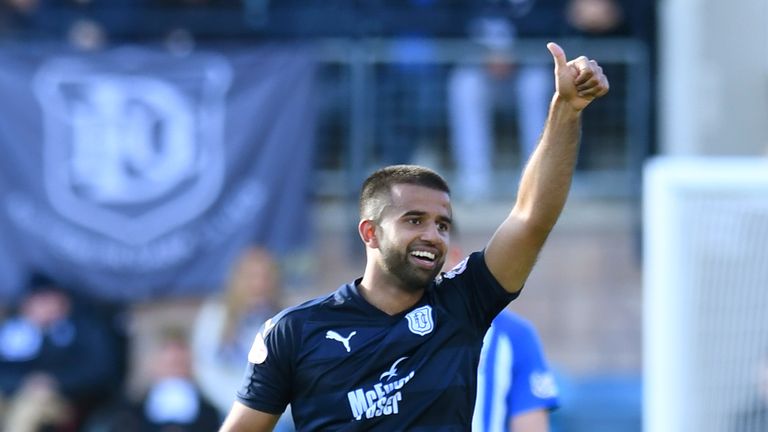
(433, 234)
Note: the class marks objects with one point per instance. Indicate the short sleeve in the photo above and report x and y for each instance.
(471, 290)
(267, 384)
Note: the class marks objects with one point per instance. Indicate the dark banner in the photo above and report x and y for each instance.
(134, 173)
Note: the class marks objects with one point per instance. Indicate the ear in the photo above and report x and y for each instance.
(367, 230)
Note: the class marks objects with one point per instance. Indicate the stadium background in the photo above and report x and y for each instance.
(688, 79)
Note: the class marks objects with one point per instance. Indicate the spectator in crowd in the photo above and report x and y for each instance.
(407, 99)
(475, 89)
(86, 25)
(59, 358)
(15, 15)
(224, 329)
(172, 401)
(225, 326)
(597, 17)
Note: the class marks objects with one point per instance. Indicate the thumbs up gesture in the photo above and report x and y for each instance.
(579, 81)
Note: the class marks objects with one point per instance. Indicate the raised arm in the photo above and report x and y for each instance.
(544, 186)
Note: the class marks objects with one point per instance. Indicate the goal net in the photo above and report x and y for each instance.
(705, 281)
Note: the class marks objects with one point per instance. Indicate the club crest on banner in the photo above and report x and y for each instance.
(132, 155)
(420, 320)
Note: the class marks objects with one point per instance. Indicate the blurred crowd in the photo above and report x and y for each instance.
(414, 95)
(94, 24)
(66, 361)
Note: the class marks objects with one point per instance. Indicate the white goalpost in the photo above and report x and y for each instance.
(705, 282)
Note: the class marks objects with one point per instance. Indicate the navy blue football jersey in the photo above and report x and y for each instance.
(345, 365)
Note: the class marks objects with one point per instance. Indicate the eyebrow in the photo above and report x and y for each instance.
(441, 218)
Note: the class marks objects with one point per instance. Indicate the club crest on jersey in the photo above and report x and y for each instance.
(420, 320)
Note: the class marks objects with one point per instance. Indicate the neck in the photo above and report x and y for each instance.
(386, 294)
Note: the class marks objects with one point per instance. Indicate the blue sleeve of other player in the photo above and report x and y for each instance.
(533, 384)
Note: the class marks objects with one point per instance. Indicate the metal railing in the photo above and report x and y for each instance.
(351, 73)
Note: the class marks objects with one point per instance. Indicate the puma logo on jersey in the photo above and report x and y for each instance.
(330, 334)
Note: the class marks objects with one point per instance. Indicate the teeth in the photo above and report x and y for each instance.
(424, 254)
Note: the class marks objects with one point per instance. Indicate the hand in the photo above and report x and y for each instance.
(579, 81)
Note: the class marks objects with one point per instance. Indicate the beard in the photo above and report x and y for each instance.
(411, 277)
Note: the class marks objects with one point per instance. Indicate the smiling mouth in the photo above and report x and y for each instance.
(426, 259)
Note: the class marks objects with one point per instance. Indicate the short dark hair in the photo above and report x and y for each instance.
(377, 187)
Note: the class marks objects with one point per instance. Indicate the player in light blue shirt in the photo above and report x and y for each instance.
(516, 390)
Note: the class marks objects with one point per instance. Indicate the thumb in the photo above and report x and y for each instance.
(558, 54)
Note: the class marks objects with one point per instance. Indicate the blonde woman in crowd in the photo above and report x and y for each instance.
(224, 329)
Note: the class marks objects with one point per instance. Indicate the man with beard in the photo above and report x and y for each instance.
(398, 349)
